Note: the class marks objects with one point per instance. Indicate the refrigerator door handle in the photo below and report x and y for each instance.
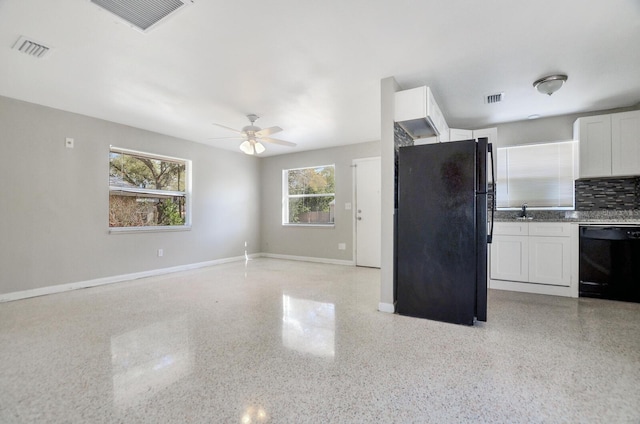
(493, 193)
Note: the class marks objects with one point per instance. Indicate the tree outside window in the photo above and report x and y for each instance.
(309, 195)
(146, 190)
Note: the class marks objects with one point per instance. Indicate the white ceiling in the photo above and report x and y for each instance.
(314, 67)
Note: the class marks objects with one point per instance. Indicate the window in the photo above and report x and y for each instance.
(540, 175)
(147, 190)
(308, 195)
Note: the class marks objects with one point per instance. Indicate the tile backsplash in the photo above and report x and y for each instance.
(595, 194)
(400, 139)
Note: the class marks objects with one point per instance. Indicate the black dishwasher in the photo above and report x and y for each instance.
(610, 262)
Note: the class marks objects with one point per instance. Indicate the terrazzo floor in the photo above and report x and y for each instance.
(292, 342)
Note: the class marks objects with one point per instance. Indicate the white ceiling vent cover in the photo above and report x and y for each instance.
(142, 14)
(31, 47)
(494, 98)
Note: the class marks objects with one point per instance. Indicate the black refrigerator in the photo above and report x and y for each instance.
(442, 231)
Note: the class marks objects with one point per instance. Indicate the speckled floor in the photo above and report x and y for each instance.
(293, 342)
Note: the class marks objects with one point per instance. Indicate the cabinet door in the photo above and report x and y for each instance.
(625, 143)
(434, 112)
(549, 260)
(510, 258)
(594, 133)
(456, 134)
(490, 133)
(410, 104)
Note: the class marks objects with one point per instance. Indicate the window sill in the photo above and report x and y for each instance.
(154, 229)
(310, 225)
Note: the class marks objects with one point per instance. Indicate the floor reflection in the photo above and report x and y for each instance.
(150, 358)
(308, 326)
(254, 414)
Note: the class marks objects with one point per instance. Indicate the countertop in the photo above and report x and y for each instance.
(604, 216)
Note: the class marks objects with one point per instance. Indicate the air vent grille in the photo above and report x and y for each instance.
(32, 48)
(142, 14)
(494, 98)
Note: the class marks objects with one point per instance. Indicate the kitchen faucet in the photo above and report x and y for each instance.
(523, 214)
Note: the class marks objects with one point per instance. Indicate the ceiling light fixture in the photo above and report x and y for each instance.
(254, 136)
(252, 147)
(551, 84)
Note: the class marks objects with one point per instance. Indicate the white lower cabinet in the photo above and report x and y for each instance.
(549, 260)
(535, 252)
(510, 258)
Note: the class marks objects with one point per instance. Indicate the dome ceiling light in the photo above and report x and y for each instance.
(551, 84)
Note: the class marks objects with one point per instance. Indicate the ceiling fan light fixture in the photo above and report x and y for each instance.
(254, 136)
(550, 84)
(246, 147)
(252, 147)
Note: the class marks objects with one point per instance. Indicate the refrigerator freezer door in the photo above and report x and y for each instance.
(437, 255)
(481, 228)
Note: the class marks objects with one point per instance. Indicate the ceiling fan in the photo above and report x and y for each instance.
(254, 136)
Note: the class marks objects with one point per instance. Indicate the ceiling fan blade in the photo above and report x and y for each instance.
(268, 131)
(277, 141)
(233, 137)
(228, 128)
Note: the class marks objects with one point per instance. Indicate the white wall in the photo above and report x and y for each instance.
(311, 242)
(54, 201)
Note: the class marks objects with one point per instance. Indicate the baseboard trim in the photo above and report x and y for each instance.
(8, 297)
(386, 307)
(531, 288)
(308, 259)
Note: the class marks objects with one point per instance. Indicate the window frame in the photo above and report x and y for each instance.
(286, 196)
(187, 193)
(500, 182)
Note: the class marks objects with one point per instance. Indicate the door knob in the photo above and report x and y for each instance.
(359, 218)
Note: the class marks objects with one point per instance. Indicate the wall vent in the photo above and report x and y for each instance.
(494, 98)
(31, 47)
(142, 14)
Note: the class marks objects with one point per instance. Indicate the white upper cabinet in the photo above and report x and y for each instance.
(490, 133)
(625, 143)
(609, 144)
(417, 112)
(457, 134)
(594, 134)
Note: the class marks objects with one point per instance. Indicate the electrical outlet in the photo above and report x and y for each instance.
(342, 246)
(347, 206)
(160, 253)
(68, 142)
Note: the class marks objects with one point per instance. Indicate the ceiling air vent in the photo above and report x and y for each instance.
(142, 14)
(494, 98)
(31, 47)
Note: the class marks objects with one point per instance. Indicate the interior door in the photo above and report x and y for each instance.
(367, 211)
